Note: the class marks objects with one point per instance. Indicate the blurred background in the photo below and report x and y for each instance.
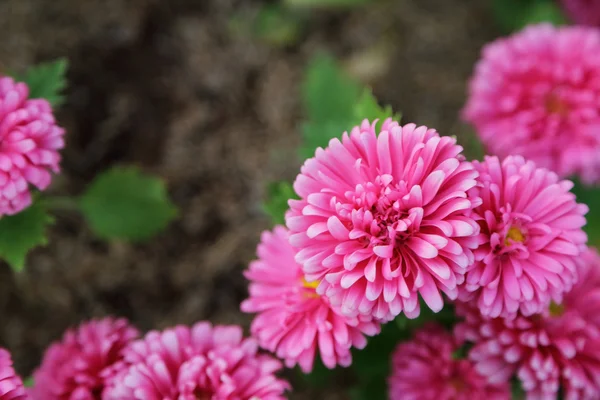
(207, 95)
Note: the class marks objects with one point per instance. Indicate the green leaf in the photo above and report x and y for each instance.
(319, 134)
(47, 80)
(22, 232)
(277, 201)
(320, 376)
(28, 382)
(545, 11)
(368, 107)
(124, 203)
(325, 3)
(591, 197)
(514, 15)
(277, 25)
(517, 390)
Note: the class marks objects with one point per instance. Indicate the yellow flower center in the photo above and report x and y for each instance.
(310, 285)
(515, 235)
(556, 310)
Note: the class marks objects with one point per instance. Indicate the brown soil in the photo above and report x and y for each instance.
(169, 86)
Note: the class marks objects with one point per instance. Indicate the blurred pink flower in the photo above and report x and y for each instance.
(72, 368)
(29, 144)
(293, 321)
(11, 385)
(425, 369)
(535, 94)
(560, 347)
(531, 235)
(583, 12)
(382, 219)
(201, 362)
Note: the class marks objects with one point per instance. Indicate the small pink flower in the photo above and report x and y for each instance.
(201, 362)
(535, 94)
(560, 347)
(29, 144)
(383, 219)
(11, 385)
(425, 369)
(583, 12)
(293, 321)
(531, 236)
(72, 368)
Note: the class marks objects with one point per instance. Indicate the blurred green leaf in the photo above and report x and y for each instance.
(47, 80)
(372, 390)
(591, 197)
(320, 376)
(277, 25)
(545, 11)
(368, 107)
(28, 382)
(514, 15)
(445, 317)
(517, 390)
(278, 194)
(123, 203)
(325, 3)
(22, 232)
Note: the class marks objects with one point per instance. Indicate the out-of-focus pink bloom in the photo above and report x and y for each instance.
(11, 385)
(425, 369)
(293, 321)
(29, 144)
(560, 347)
(73, 368)
(584, 12)
(535, 94)
(201, 362)
(383, 218)
(531, 235)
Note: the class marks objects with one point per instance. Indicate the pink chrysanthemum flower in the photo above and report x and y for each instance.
(73, 367)
(425, 369)
(535, 94)
(382, 219)
(293, 321)
(583, 12)
(11, 385)
(201, 362)
(29, 144)
(558, 348)
(531, 234)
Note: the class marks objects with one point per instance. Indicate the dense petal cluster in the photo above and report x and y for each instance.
(383, 218)
(559, 348)
(584, 12)
(11, 385)
(293, 321)
(201, 362)
(29, 144)
(73, 367)
(425, 369)
(531, 235)
(535, 94)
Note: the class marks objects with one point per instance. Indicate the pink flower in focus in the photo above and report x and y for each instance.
(383, 218)
(560, 347)
(293, 321)
(11, 385)
(531, 235)
(72, 368)
(425, 369)
(535, 94)
(583, 12)
(29, 144)
(201, 362)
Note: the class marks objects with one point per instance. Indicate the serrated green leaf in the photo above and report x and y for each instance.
(124, 203)
(47, 80)
(276, 204)
(591, 197)
(22, 232)
(367, 107)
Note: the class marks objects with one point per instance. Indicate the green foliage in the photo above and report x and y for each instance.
(320, 376)
(514, 15)
(28, 382)
(22, 232)
(589, 196)
(368, 107)
(445, 317)
(124, 203)
(278, 194)
(326, 3)
(517, 390)
(47, 80)
(277, 25)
